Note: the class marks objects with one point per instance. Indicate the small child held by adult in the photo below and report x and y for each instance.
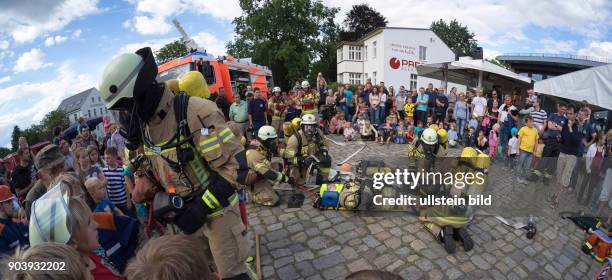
(98, 192)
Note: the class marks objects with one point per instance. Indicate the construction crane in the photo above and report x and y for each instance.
(186, 40)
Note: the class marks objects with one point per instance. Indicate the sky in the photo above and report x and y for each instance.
(52, 49)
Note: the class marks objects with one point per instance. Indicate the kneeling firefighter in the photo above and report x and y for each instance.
(296, 147)
(316, 148)
(262, 176)
(197, 158)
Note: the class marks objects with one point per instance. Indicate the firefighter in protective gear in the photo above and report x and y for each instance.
(443, 137)
(296, 149)
(308, 101)
(277, 105)
(316, 146)
(192, 151)
(262, 177)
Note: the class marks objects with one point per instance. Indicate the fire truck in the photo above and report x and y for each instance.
(223, 73)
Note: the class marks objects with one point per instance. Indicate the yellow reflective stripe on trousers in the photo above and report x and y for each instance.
(209, 144)
(210, 200)
(200, 171)
(226, 134)
(233, 200)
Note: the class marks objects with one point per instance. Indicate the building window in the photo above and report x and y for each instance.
(75, 118)
(99, 99)
(106, 111)
(101, 112)
(92, 100)
(365, 52)
(422, 53)
(374, 77)
(354, 53)
(94, 112)
(89, 113)
(340, 54)
(366, 76)
(374, 49)
(413, 81)
(354, 78)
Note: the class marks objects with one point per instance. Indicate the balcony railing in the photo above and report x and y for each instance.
(569, 56)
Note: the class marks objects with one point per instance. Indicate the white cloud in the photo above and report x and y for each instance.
(27, 103)
(550, 45)
(5, 79)
(28, 20)
(153, 16)
(4, 45)
(50, 41)
(490, 53)
(127, 24)
(210, 43)
(155, 45)
(32, 60)
(597, 49)
(77, 33)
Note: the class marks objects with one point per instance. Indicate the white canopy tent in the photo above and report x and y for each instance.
(593, 85)
(476, 72)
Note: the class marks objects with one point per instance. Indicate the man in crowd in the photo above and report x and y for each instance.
(23, 176)
(431, 101)
(239, 113)
(504, 131)
(257, 112)
(551, 138)
(441, 107)
(480, 105)
(494, 97)
(570, 143)
(68, 159)
(400, 101)
(421, 102)
(537, 113)
(348, 95)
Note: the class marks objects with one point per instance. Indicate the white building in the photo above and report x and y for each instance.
(87, 104)
(391, 54)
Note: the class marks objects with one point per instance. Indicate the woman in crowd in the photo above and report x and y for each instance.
(84, 167)
(375, 106)
(452, 98)
(461, 114)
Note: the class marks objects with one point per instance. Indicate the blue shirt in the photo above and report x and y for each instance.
(257, 110)
(105, 205)
(12, 235)
(349, 98)
(442, 98)
(422, 107)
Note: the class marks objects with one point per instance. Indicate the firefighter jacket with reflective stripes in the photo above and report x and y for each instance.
(259, 163)
(309, 102)
(278, 108)
(290, 152)
(217, 148)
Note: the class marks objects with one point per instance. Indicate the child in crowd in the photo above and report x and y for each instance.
(537, 154)
(429, 121)
(481, 141)
(349, 132)
(368, 132)
(493, 141)
(418, 130)
(385, 132)
(360, 122)
(410, 133)
(399, 136)
(473, 123)
(84, 167)
(362, 110)
(94, 156)
(98, 193)
(330, 99)
(335, 123)
(452, 135)
(450, 117)
(528, 140)
(512, 148)
(485, 125)
(13, 232)
(172, 257)
(119, 187)
(409, 109)
(470, 138)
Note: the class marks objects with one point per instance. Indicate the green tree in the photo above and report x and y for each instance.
(4, 152)
(53, 119)
(171, 51)
(35, 134)
(497, 62)
(456, 36)
(285, 35)
(360, 20)
(15, 138)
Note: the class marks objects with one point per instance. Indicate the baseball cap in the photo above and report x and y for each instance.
(5, 193)
(48, 156)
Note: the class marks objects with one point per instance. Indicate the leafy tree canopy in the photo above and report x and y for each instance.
(171, 51)
(360, 20)
(456, 36)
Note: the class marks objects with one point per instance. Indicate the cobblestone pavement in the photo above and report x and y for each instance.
(306, 243)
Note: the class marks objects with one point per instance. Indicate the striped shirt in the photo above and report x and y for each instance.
(539, 117)
(115, 188)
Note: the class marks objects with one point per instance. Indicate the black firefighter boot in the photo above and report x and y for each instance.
(462, 235)
(446, 237)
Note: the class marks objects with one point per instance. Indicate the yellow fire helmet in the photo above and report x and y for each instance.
(434, 127)
(468, 155)
(51, 219)
(442, 135)
(287, 129)
(296, 122)
(173, 85)
(194, 84)
(483, 162)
